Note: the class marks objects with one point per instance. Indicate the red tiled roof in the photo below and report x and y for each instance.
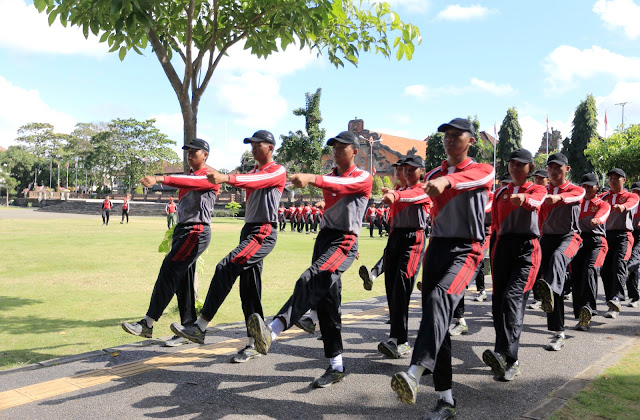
(403, 145)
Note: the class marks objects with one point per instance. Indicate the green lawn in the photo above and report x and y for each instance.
(67, 284)
(613, 395)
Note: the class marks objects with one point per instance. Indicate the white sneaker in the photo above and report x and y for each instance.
(480, 296)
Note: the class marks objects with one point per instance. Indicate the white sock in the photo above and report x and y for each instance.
(336, 363)
(149, 320)
(394, 341)
(202, 323)
(313, 314)
(416, 371)
(251, 341)
(447, 396)
(461, 321)
(276, 328)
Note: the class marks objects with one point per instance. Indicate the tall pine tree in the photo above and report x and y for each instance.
(585, 129)
(510, 138)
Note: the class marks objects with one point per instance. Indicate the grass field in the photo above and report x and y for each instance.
(67, 284)
(614, 395)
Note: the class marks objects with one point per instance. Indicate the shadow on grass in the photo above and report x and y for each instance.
(19, 358)
(10, 302)
(24, 324)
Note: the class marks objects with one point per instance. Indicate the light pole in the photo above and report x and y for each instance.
(622, 104)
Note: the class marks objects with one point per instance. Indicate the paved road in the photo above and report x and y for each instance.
(191, 382)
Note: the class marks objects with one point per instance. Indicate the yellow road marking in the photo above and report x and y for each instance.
(43, 390)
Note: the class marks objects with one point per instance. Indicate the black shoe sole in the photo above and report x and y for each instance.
(306, 328)
(176, 331)
(143, 334)
(318, 384)
(234, 359)
(365, 275)
(401, 386)
(389, 353)
(490, 358)
(543, 290)
(259, 331)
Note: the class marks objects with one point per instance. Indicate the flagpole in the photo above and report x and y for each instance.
(547, 136)
(495, 145)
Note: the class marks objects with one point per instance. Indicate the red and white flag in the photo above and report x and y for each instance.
(606, 123)
(67, 166)
(495, 131)
(373, 170)
(547, 123)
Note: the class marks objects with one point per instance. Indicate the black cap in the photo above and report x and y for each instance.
(261, 135)
(542, 173)
(399, 162)
(346, 137)
(589, 179)
(558, 158)
(617, 171)
(414, 160)
(506, 178)
(197, 144)
(521, 155)
(635, 186)
(459, 123)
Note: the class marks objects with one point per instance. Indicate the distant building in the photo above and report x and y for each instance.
(378, 151)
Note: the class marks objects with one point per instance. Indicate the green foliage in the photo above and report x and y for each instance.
(540, 160)
(435, 151)
(386, 182)
(247, 162)
(510, 139)
(302, 151)
(20, 164)
(234, 208)
(621, 150)
(481, 151)
(585, 130)
(377, 186)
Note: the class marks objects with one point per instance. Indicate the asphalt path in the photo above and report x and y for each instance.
(277, 386)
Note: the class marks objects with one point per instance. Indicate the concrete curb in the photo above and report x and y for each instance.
(559, 396)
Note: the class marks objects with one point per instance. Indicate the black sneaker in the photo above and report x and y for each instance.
(365, 275)
(328, 378)
(139, 328)
(512, 370)
(405, 386)
(389, 349)
(496, 362)
(442, 411)
(176, 341)
(260, 332)
(306, 323)
(245, 355)
(544, 291)
(190, 332)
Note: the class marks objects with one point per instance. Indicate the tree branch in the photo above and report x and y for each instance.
(188, 65)
(163, 58)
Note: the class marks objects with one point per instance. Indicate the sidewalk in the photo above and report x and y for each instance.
(145, 380)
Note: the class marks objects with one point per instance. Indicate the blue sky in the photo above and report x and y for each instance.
(476, 58)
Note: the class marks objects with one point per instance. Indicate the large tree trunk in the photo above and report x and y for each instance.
(190, 121)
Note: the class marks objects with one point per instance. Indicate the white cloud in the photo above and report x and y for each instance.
(281, 63)
(493, 88)
(622, 92)
(566, 64)
(416, 6)
(424, 92)
(624, 13)
(22, 106)
(402, 119)
(252, 99)
(533, 130)
(393, 132)
(23, 28)
(457, 12)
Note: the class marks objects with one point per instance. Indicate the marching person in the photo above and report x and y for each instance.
(515, 260)
(191, 237)
(308, 218)
(125, 209)
(282, 217)
(634, 261)
(107, 205)
(620, 239)
(291, 212)
(264, 186)
(170, 210)
(540, 177)
(560, 242)
(459, 191)
(380, 213)
(404, 252)
(585, 267)
(481, 296)
(371, 217)
(346, 191)
(368, 276)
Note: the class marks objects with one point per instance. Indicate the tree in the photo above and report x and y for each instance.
(376, 188)
(540, 160)
(20, 164)
(510, 139)
(435, 151)
(386, 182)
(620, 150)
(247, 162)
(302, 151)
(47, 145)
(585, 129)
(201, 33)
(481, 151)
